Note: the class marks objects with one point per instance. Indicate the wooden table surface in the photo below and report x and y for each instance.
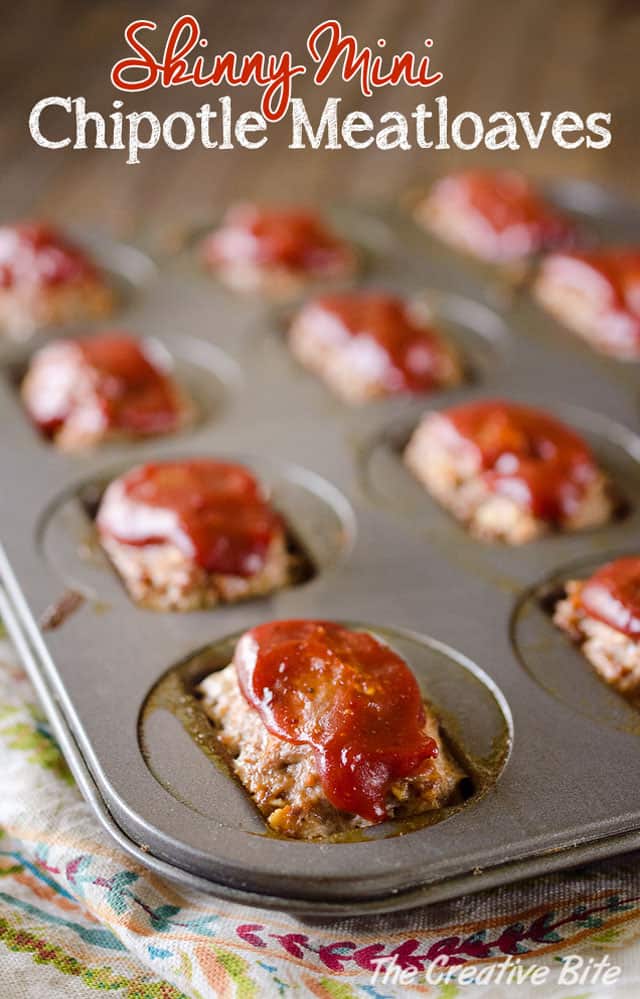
(511, 55)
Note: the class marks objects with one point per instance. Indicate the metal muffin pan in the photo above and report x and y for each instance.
(469, 617)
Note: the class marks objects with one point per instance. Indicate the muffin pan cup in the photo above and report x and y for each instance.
(560, 784)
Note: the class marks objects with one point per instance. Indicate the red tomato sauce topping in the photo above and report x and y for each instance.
(413, 351)
(346, 694)
(612, 595)
(612, 275)
(36, 254)
(507, 201)
(110, 379)
(528, 455)
(135, 394)
(295, 240)
(213, 511)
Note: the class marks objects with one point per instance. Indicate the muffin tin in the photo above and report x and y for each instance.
(551, 748)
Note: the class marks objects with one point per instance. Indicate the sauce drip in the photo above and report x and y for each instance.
(413, 352)
(346, 694)
(216, 513)
(35, 254)
(612, 595)
(528, 455)
(295, 240)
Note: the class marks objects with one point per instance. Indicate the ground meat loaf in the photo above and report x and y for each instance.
(284, 778)
(188, 535)
(112, 386)
(509, 473)
(46, 281)
(498, 217)
(602, 615)
(597, 296)
(275, 252)
(367, 345)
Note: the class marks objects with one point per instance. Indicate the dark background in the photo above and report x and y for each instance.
(582, 55)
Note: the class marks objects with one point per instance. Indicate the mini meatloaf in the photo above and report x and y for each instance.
(327, 730)
(46, 281)
(499, 217)
(602, 614)
(185, 535)
(84, 392)
(597, 296)
(275, 252)
(509, 472)
(368, 344)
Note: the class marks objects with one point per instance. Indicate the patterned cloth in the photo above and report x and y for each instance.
(77, 917)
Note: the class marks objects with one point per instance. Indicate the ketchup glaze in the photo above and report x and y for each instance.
(213, 511)
(526, 454)
(521, 220)
(135, 394)
(284, 237)
(612, 595)
(412, 352)
(34, 253)
(616, 272)
(111, 379)
(348, 696)
(611, 279)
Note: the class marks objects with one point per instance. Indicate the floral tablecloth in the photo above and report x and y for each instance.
(79, 918)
